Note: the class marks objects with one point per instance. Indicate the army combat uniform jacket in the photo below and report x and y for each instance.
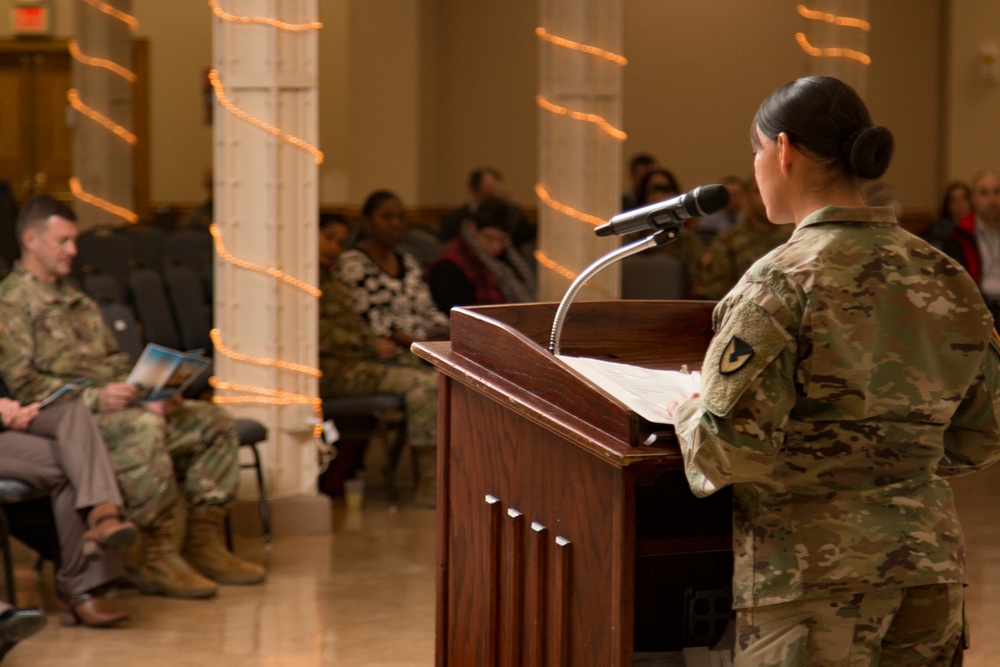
(852, 369)
(52, 334)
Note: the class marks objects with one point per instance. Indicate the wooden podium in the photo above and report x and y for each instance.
(562, 539)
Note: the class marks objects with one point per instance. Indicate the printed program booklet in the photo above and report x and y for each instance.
(162, 372)
(71, 386)
(646, 391)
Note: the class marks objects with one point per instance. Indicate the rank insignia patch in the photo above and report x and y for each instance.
(735, 356)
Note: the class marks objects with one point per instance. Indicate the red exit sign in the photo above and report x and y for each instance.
(32, 19)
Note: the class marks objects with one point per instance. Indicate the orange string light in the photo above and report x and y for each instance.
(265, 395)
(836, 52)
(586, 117)
(845, 21)
(551, 265)
(543, 195)
(220, 248)
(127, 19)
(260, 361)
(252, 394)
(262, 20)
(79, 193)
(74, 100)
(113, 67)
(577, 46)
(220, 94)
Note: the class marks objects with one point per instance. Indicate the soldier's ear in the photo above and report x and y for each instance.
(29, 237)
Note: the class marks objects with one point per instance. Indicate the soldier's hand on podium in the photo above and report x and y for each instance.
(678, 401)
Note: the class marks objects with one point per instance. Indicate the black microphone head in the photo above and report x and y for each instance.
(706, 200)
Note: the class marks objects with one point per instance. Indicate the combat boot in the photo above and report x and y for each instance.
(205, 549)
(425, 494)
(164, 572)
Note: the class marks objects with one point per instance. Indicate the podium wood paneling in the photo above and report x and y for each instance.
(561, 539)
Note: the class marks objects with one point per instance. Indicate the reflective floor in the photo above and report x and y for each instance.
(359, 596)
(363, 596)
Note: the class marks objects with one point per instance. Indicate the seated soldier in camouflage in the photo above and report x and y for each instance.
(734, 250)
(355, 361)
(54, 333)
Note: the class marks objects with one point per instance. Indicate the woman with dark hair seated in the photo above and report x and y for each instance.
(480, 266)
(59, 449)
(388, 284)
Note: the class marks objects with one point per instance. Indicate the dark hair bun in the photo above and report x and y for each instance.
(869, 151)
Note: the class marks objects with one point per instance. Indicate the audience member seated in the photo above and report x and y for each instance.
(734, 250)
(640, 165)
(483, 183)
(356, 361)
(387, 285)
(659, 185)
(955, 205)
(53, 333)
(975, 240)
(59, 449)
(734, 212)
(480, 266)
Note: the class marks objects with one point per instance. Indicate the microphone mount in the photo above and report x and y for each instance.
(662, 236)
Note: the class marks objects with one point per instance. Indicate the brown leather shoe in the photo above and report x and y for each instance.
(108, 528)
(89, 609)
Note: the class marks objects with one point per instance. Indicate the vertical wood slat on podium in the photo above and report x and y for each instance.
(548, 504)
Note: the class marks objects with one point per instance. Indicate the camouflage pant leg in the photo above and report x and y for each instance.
(136, 440)
(202, 440)
(416, 382)
(927, 629)
(901, 627)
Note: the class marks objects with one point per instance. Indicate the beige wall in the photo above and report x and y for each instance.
(973, 107)
(415, 93)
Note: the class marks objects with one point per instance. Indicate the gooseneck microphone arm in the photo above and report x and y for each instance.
(658, 238)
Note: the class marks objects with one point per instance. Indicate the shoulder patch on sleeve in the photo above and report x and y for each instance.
(749, 340)
(735, 355)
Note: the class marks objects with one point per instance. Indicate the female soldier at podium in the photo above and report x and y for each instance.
(852, 369)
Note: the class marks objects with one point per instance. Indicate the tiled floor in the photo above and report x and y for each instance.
(363, 596)
(360, 596)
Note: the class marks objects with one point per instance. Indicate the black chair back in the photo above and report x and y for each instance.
(103, 287)
(192, 314)
(103, 250)
(148, 245)
(152, 307)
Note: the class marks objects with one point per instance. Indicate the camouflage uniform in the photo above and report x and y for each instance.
(852, 370)
(733, 251)
(54, 333)
(350, 366)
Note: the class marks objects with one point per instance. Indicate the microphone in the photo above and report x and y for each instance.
(703, 200)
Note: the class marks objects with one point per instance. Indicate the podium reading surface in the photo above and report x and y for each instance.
(561, 538)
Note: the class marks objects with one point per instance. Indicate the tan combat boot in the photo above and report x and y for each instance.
(205, 549)
(164, 572)
(425, 495)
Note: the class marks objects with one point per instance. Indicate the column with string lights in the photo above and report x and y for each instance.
(101, 99)
(265, 81)
(834, 38)
(580, 138)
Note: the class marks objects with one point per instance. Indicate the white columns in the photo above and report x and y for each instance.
(580, 160)
(102, 160)
(266, 210)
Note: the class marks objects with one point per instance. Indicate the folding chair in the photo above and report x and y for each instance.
(103, 249)
(152, 308)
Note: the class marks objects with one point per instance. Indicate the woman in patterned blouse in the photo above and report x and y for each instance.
(387, 284)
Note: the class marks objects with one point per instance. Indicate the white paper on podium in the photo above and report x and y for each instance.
(646, 391)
